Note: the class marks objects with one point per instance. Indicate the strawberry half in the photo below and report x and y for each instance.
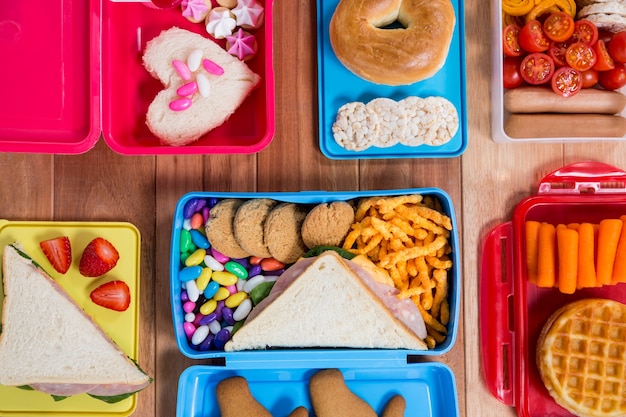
(59, 252)
(98, 258)
(114, 295)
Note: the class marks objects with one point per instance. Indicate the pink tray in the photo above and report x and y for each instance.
(72, 71)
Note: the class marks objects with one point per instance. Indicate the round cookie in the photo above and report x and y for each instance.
(327, 224)
(248, 225)
(282, 232)
(219, 228)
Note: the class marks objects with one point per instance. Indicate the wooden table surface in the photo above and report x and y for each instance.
(485, 184)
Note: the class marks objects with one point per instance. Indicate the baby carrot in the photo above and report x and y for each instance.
(567, 247)
(608, 237)
(546, 258)
(619, 266)
(532, 249)
(574, 226)
(586, 256)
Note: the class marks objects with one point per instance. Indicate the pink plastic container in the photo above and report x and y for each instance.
(72, 71)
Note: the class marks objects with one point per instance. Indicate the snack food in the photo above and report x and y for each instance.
(407, 236)
(327, 224)
(69, 356)
(249, 223)
(249, 14)
(204, 85)
(220, 22)
(196, 10)
(383, 122)
(282, 231)
(361, 41)
(608, 15)
(337, 304)
(241, 44)
(219, 228)
(581, 357)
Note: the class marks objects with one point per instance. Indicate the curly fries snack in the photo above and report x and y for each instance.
(408, 236)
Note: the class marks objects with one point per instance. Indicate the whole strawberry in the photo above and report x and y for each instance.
(98, 258)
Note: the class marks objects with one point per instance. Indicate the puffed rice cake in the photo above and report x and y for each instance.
(384, 122)
(605, 14)
(356, 126)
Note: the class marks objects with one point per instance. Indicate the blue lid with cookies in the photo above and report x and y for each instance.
(424, 389)
(367, 278)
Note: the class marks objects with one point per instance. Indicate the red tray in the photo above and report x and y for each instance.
(512, 312)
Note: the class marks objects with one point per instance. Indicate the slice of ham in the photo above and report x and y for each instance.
(404, 310)
(101, 390)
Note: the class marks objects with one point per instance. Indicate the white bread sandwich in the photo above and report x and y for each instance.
(328, 301)
(204, 85)
(47, 342)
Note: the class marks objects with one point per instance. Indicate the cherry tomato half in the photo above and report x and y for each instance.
(613, 79)
(585, 31)
(511, 75)
(617, 47)
(590, 78)
(510, 41)
(559, 26)
(567, 81)
(532, 38)
(604, 62)
(580, 56)
(557, 52)
(537, 68)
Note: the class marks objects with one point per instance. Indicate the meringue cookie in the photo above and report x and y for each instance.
(196, 10)
(220, 23)
(242, 45)
(249, 14)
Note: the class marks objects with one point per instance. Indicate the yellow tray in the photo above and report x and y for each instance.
(123, 327)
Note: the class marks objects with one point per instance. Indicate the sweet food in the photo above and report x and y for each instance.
(196, 10)
(249, 14)
(220, 22)
(242, 45)
(581, 357)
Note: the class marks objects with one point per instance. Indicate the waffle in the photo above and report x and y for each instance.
(581, 356)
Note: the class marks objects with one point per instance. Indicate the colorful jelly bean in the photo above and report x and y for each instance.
(242, 311)
(203, 280)
(192, 291)
(199, 239)
(220, 257)
(208, 307)
(235, 299)
(224, 278)
(271, 264)
(221, 294)
(213, 263)
(189, 306)
(237, 269)
(211, 289)
(196, 258)
(185, 243)
(189, 273)
(189, 329)
(199, 335)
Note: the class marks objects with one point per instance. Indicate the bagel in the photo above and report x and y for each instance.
(366, 40)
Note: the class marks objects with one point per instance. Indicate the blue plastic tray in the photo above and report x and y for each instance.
(428, 388)
(268, 358)
(337, 86)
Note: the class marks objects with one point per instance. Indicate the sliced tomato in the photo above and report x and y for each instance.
(511, 75)
(585, 31)
(604, 62)
(559, 26)
(617, 47)
(567, 81)
(537, 68)
(580, 56)
(613, 79)
(557, 52)
(532, 38)
(510, 41)
(590, 78)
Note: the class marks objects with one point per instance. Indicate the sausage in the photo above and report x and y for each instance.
(534, 99)
(544, 125)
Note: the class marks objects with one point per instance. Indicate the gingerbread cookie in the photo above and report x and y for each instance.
(235, 399)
